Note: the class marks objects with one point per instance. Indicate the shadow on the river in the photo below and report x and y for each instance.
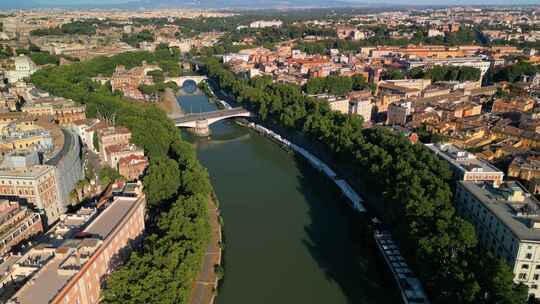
(358, 271)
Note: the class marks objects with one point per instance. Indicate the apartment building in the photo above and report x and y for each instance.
(71, 271)
(110, 136)
(466, 166)
(507, 222)
(17, 224)
(114, 153)
(35, 185)
(503, 105)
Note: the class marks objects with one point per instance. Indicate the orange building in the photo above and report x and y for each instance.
(73, 272)
(521, 104)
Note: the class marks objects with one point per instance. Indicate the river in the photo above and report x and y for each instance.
(289, 238)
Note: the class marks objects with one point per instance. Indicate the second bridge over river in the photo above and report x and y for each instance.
(201, 121)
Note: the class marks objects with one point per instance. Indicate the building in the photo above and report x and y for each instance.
(502, 105)
(114, 153)
(85, 130)
(23, 67)
(128, 81)
(526, 169)
(132, 167)
(361, 107)
(71, 271)
(231, 57)
(62, 111)
(398, 113)
(264, 23)
(110, 136)
(507, 221)
(340, 105)
(24, 136)
(475, 62)
(349, 32)
(35, 185)
(17, 224)
(466, 166)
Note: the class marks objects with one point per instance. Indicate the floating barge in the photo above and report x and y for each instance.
(409, 285)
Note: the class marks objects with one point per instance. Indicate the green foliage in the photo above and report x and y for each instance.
(415, 197)
(95, 141)
(5, 51)
(513, 73)
(447, 73)
(135, 39)
(108, 175)
(391, 74)
(162, 179)
(203, 86)
(42, 58)
(73, 28)
(177, 186)
(335, 85)
(499, 280)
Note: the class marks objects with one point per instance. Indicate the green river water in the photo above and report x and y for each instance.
(289, 237)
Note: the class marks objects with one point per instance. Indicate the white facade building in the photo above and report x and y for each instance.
(475, 62)
(507, 222)
(466, 166)
(264, 23)
(24, 67)
(235, 57)
(363, 108)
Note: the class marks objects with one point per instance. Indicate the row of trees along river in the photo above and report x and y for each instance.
(409, 187)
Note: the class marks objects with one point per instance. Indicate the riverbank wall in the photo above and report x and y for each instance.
(169, 103)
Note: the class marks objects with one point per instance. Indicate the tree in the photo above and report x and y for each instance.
(391, 74)
(359, 82)
(95, 141)
(108, 175)
(162, 179)
(499, 282)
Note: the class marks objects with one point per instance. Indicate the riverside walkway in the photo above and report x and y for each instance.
(204, 288)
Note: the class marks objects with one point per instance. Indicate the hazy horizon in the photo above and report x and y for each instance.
(239, 3)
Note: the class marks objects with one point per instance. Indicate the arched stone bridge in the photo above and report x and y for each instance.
(201, 121)
(180, 80)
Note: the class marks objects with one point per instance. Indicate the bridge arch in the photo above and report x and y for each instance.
(181, 80)
(195, 119)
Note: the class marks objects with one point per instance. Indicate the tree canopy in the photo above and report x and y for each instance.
(176, 185)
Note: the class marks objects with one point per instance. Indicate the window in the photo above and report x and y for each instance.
(534, 286)
(528, 256)
(536, 277)
(525, 266)
(522, 276)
